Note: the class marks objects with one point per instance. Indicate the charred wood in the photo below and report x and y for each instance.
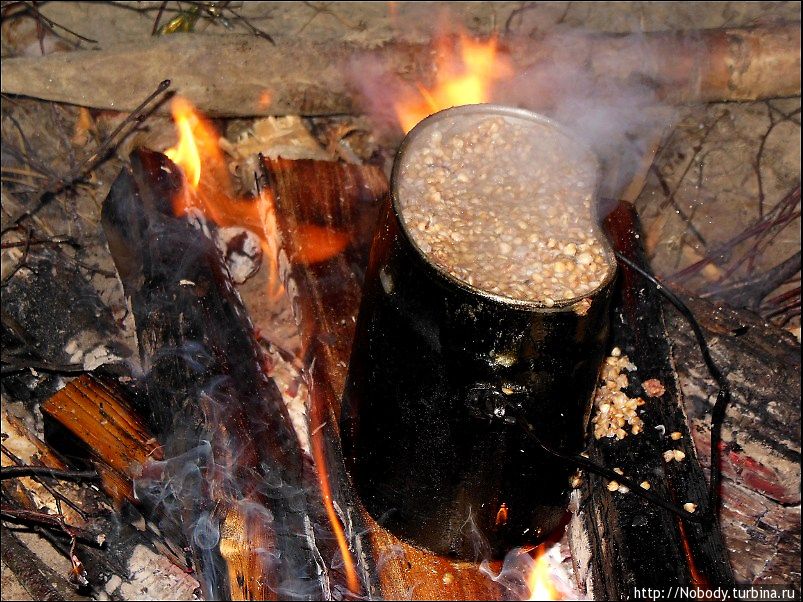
(618, 541)
(761, 435)
(39, 580)
(229, 441)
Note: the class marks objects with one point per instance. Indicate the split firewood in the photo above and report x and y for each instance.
(619, 541)
(341, 201)
(245, 491)
(97, 412)
(100, 417)
(691, 66)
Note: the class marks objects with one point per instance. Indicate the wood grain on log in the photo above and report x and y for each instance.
(326, 297)
(229, 75)
(98, 414)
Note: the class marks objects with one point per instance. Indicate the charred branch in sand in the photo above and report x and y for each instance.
(51, 521)
(38, 579)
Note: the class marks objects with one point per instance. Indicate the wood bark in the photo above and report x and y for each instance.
(232, 75)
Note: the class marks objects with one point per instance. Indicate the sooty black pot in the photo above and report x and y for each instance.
(441, 374)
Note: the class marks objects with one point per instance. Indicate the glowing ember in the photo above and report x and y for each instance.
(539, 581)
(463, 80)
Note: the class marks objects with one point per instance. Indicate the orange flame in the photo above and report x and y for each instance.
(539, 581)
(319, 455)
(464, 80)
(185, 154)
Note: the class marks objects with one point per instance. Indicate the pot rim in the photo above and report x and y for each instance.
(497, 109)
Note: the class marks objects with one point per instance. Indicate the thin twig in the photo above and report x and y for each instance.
(53, 240)
(51, 521)
(779, 216)
(125, 127)
(58, 496)
(53, 25)
(15, 472)
(158, 18)
(13, 364)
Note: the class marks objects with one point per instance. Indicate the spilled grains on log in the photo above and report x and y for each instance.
(626, 542)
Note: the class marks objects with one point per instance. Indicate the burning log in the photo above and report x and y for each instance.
(326, 297)
(229, 441)
(761, 435)
(707, 65)
(618, 541)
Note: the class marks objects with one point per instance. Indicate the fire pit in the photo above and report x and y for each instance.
(247, 354)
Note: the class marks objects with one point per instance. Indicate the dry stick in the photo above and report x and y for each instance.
(769, 221)
(135, 115)
(751, 291)
(58, 496)
(761, 147)
(16, 364)
(53, 240)
(158, 18)
(51, 521)
(14, 472)
(37, 579)
(53, 25)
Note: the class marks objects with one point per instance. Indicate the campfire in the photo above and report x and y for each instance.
(436, 314)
